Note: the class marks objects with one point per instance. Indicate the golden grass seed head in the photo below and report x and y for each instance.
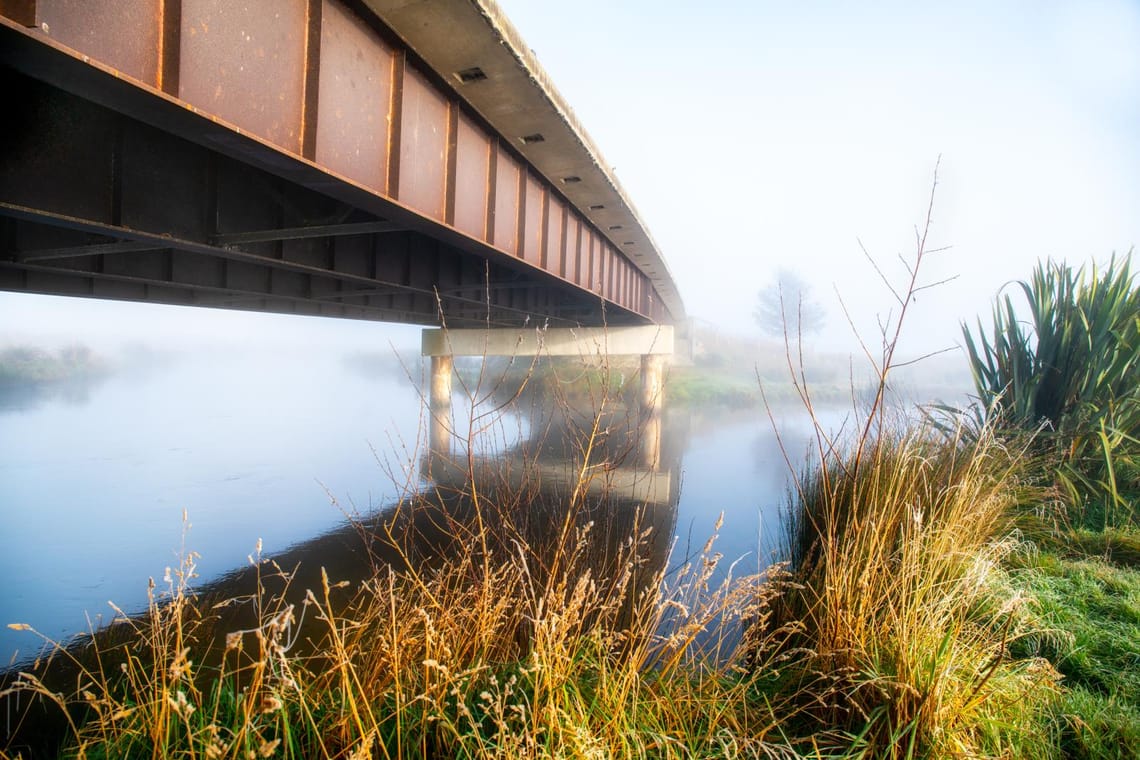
(234, 641)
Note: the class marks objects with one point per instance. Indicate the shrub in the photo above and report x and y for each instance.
(1072, 376)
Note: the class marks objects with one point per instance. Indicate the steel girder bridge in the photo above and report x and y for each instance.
(373, 159)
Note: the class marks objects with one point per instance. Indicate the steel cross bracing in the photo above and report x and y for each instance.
(295, 156)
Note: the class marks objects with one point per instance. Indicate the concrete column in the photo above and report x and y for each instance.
(652, 385)
(440, 404)
(649, 445)
(652, 402)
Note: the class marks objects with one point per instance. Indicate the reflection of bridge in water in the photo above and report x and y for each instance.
(529, 489)
(528, 500)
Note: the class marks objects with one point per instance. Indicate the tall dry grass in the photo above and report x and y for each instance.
(896, 534)
(902, 599)
(488, 627)
(477, 635)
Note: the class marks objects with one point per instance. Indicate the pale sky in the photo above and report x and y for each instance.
(756, 135)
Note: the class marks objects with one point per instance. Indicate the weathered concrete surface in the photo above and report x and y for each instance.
(637, 485)
(645, 340)
(440, 400)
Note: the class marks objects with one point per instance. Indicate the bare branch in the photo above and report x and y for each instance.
(916, 360)
(875, 266)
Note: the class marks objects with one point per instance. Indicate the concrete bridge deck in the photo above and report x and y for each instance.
(375, 159)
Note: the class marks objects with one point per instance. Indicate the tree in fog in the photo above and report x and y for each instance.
(787, 301)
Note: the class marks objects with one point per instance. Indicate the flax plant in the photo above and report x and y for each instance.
(1070, 375)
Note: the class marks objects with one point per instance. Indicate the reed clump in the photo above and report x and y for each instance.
(898, 547)
(897, 533)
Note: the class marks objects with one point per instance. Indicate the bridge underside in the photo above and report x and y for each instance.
(94, 203)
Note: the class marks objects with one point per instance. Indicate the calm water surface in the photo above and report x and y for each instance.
(94, 482)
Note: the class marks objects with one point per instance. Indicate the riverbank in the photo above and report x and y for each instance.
(507, 645)
(31, 375)
(37, 366)
(956, 586)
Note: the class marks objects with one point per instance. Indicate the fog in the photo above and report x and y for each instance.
(755, 136)
(759, 135)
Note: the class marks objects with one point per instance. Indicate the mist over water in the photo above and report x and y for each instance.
(280, 448)
(252, 447)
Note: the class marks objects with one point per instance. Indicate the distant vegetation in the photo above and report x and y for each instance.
(734, 372)
(786, 306)
(27, 365)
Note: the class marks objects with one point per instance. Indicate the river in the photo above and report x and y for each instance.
(277, 450)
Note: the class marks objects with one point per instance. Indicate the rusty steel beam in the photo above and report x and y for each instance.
(164, 210)
(94, 249)
(335, 100)
(302, 233)
(148, 242)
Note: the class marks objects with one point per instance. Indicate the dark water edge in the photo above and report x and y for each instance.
(525, 490)
(195, 426)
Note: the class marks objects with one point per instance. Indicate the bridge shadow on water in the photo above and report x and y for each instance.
(583, 495)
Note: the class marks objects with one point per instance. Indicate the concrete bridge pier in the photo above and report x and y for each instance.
(653, 343)
(439, 437)
(652, 398)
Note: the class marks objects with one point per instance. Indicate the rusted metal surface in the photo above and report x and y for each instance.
(244, 61)
(22, 12)
(245, 239)
(555, 243)
(285, 85)
(506, 204)
(423, 145)
(124, 34)
(355, 96)
(473, 149)
(573, 248)
(531, 232)
(516, 96)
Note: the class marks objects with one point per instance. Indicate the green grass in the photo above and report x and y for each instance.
(695, 387)
(1088, 608)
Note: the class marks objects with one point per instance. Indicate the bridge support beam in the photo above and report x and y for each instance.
(653, 343)
(439, 436)
(652, 404)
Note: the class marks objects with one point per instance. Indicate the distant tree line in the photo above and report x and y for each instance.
(26, 364)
